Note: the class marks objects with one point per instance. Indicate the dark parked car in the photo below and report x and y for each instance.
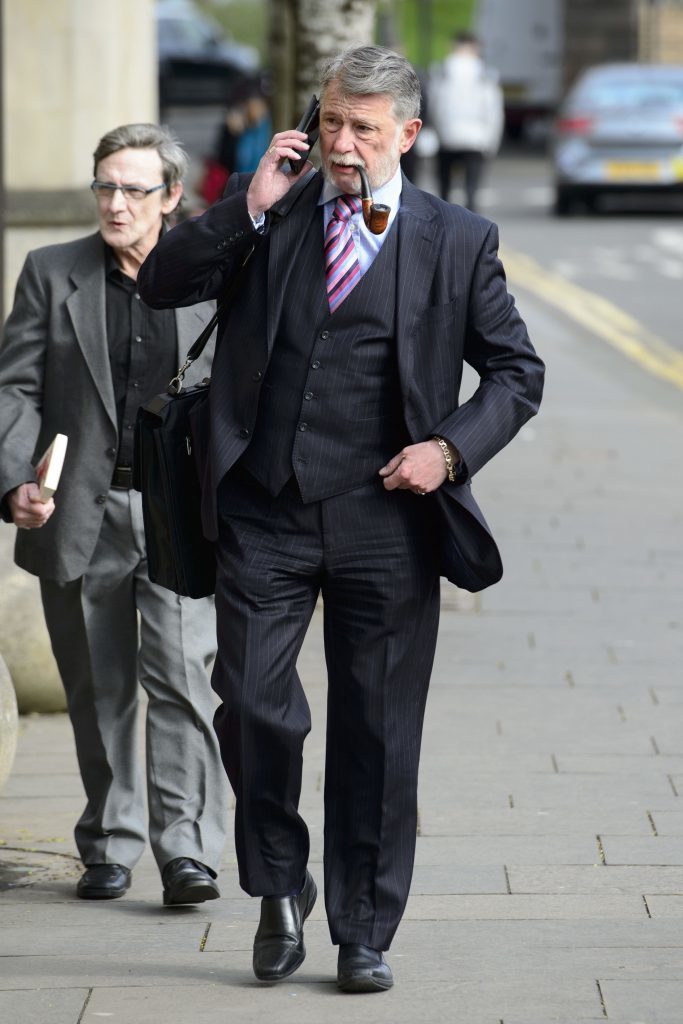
(620, 129)
(198, 64)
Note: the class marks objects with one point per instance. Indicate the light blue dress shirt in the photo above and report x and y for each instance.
(367, 244)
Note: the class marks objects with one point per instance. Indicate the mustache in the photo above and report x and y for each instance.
(345, 160)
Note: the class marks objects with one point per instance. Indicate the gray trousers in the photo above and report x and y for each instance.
(110, 629)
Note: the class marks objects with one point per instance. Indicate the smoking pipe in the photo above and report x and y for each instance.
(375, 215)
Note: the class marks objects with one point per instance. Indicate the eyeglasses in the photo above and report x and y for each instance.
(106, 190)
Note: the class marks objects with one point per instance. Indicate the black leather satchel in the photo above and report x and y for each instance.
(165, 470)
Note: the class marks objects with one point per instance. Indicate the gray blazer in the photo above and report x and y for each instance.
(55, 377)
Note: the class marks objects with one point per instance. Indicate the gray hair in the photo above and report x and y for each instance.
(174, 159)
(366, 70)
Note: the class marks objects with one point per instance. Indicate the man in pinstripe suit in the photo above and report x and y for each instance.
(339, 462)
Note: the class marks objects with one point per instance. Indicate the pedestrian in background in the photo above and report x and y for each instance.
(466, 110)
(339, 464)
(241, 141)
(81, 351)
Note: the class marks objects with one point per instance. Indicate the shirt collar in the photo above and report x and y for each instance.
(388, 193)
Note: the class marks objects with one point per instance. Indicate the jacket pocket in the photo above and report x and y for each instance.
(434, 315)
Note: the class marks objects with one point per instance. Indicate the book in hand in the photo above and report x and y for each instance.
(49, 467)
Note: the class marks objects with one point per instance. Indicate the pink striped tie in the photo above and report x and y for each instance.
(342, 270)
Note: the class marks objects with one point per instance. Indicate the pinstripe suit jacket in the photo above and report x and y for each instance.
(452, 306)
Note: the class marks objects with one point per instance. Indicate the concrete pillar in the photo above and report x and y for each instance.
(71, 71)
(8, 724)
(24, 641)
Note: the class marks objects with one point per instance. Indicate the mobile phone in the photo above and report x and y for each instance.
(309, 123)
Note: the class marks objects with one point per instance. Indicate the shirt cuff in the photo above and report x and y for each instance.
(258, 222)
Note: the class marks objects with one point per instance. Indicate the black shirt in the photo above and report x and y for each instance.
(142, 351)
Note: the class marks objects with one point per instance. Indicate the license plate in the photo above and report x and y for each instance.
(633, 170)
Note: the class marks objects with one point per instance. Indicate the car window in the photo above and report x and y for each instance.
(183, 33)
(619, 93)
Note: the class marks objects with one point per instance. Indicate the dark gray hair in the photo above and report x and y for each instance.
(146, 136)
(366, 70)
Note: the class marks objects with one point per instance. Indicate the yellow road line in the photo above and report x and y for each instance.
(598, 315)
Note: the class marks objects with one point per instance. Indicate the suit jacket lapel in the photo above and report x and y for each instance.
(419, 248)
(291, 216)
(87, 309)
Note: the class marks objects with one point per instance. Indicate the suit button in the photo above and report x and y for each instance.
(244, 432)
(303, 427)
(324, 335)
(308, 395)
(101, 498)
(315, 365)
(110, 453)
(257, 375)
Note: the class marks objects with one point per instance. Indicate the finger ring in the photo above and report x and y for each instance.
(422, 493)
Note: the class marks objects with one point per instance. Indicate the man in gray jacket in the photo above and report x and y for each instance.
(81, 351)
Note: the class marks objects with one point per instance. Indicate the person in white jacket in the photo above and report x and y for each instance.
(466, 111)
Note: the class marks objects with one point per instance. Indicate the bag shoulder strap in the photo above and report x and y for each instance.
(176, 383)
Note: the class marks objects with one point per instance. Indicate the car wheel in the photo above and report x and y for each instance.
(590, 202)
(564, 202)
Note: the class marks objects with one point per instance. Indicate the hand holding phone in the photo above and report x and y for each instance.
(310, 124)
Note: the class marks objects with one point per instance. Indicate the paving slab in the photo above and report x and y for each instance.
(667, 822)
(653, 1002)
(503, 849)
(631, 850)
(564, 907)
(597, 879)
(43, 1006)
(475, 1001)
(578, 819)
(669, 905)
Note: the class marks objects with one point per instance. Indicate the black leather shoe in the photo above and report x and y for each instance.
(187, 881)
(279, 944)
(103, 882)
(362, 969)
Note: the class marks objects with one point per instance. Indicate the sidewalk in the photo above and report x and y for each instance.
(549, 878)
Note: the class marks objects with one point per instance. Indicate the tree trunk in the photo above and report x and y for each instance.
(302, 34)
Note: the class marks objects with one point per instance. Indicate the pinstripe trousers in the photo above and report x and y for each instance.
(371, 554)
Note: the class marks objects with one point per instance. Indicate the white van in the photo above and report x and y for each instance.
(523, 40)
